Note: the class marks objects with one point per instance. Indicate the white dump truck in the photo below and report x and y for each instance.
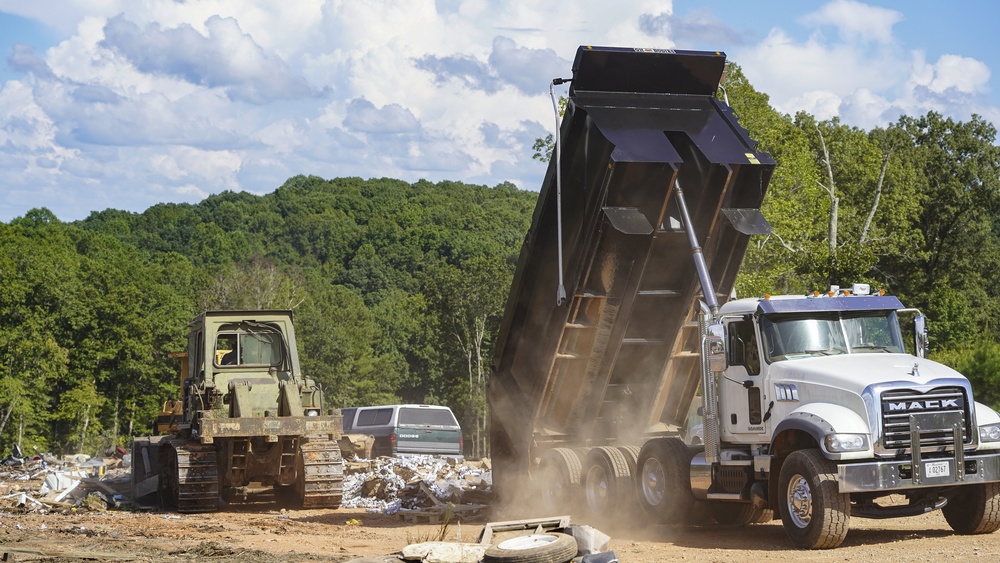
(618, 316)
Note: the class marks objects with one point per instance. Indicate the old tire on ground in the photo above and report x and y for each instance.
(559, 479)
(550, 547)
(975, 509)
(606, 482)
(739, 514)
(813, 511)
(663, 480)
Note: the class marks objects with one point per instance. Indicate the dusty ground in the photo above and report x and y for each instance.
(266, 534)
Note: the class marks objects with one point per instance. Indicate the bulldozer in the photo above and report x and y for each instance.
(248, 419)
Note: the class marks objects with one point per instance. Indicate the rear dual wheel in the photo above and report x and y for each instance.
(560, 473)
(607, 484)
(663, 483)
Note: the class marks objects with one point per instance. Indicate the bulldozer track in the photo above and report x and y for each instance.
(320, 482)
(190, 480)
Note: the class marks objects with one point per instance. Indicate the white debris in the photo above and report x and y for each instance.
(386, 485)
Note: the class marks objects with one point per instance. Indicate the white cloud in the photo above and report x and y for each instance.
(856, 21)
(165, 100)
(864, 106)
(864, 75)
(951, 72)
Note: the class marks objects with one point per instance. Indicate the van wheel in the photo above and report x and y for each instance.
(551, 547)
(663, 480)
(815, 514)
(560, 471)
(975, 509)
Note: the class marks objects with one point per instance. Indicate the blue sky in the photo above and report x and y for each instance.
(123, 104)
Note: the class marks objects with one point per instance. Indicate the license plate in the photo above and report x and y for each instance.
(937, 469)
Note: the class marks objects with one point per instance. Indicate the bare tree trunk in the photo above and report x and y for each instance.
(6, 414)
(86, 423)
(131, 418)
(480, 389)
(831, 189)
(20, 431)
(878, 196)
(114, 432)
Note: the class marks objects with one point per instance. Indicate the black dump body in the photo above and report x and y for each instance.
(618, 360)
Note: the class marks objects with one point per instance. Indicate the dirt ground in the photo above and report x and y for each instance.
(264, 534)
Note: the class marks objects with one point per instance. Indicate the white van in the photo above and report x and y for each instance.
(407, 429)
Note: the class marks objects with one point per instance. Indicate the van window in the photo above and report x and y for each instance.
(348, 417)
(374, 417)
(428, 417)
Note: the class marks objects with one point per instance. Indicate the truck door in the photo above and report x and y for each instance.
(741, 397)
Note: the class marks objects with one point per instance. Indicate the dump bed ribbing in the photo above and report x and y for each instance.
(619, 357)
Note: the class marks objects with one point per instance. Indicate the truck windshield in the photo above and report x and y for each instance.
(795, 336)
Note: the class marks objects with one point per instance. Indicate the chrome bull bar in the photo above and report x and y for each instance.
(921, 471)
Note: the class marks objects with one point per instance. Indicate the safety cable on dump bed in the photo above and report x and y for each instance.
(561, 291)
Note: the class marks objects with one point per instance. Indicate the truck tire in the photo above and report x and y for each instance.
(739, 513)
(663, 480)
(975, 509)
(189, 476)
(560, 475)
(606, 483)
(813, 511)
(631, 454)
(550, 547)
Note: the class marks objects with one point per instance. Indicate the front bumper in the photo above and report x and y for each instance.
(208, 428)
(919, 473)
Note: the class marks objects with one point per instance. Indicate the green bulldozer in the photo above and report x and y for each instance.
(248, 419)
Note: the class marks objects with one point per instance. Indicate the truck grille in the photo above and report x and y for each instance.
(897, 405)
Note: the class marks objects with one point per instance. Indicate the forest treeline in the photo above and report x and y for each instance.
(398, 288)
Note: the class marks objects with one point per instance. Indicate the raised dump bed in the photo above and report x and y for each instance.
(616, 362)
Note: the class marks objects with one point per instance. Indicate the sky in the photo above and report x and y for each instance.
(125, 104)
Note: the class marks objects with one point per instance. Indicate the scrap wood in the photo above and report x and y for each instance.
(23, 499)
(66, 491)
(90, 555)
(100, 484)
(430, 494)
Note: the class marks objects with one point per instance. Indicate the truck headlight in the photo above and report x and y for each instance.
(846, 442)
(312, 412)
(989, 433)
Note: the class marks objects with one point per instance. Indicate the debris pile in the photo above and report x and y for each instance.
(45, 483)
(419, 487)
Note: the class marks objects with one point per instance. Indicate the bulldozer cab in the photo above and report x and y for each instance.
(243, 344)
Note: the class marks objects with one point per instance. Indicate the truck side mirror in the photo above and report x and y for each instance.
(715, 348)
(920, 335)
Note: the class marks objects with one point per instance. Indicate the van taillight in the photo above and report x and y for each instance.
(461, 444)
(392, 439)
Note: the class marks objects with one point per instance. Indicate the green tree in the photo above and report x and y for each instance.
(957, 180)
(470, 303)
(78, 408)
